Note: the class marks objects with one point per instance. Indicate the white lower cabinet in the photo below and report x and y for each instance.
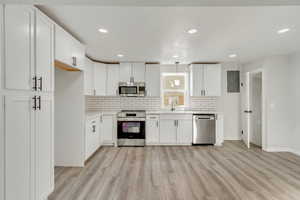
(28, 160)
(169, 129)
(92, 141)
(185, 131)
(152, 129)
(107, 129)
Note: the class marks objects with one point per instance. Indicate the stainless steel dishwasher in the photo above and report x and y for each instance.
(204, 129)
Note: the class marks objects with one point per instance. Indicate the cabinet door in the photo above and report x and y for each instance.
(88, 75)
(78, 51)
(18, 148)
(138, 72)
(44, 53)
(167, 132)
(63, 47)
(92, 137)
(100, 79)
(125, 72)
(152, 130)
(185, 131)
(112, 80)
(153, 80)
(197, 75)
(19, 65)
(44, 159)
(107, 129)
(212, 80)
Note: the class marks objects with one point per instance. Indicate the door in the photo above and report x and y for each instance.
(196, 79)
(138, 72)
(44, 159)
(44, 53)
(212, 80)
(185, 131)
(152, 129)
(153, 80)
(167, 132)
(125, 72)
(100, 79)
(246, 112)
(107, 129)
(112, 80)
(88, 75)
(19, 122)
(19, 65)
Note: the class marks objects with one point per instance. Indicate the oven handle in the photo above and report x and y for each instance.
(131, 119)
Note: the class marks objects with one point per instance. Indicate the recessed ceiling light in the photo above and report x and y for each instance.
(232, 56)
(102, 30)
(175, 56)
(281, 31)
(192, 31)
(120, 55)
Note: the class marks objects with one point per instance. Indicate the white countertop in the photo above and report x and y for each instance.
(157, 112)
(181, 112)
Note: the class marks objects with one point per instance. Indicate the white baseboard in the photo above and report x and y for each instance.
(296, 151)
(278, 149)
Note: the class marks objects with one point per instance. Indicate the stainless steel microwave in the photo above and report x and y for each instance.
(132, 89)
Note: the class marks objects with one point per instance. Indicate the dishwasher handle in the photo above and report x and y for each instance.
(204, 117)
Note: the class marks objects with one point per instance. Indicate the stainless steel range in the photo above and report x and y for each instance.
(131, 127)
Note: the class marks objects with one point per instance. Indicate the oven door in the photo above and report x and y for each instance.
(128, 90)
(131, 129)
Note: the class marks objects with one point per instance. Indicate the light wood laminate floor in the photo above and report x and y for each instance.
(191, 173)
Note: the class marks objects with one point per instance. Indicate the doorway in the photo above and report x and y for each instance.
(256, 108)
(252, 98)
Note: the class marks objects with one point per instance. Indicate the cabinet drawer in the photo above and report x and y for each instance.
(176, 116)
(152, 117)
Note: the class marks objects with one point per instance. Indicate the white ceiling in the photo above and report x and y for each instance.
(158, 33)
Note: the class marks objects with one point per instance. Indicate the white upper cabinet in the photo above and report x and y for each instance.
(135, 70)
(100, 78)
(212, 80)
(138, 72)
(125, 72)
(63, 47)
(205, 80)
(68, 50)
(88, 75)
(153, 80)
(44, 53)
(196, 78)
(112, 82)
(28, 59)
(19, 47)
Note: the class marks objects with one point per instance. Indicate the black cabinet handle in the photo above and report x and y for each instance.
(41, 83)
(94, 128)
(34, 87)
(39, 106)
(34, 103)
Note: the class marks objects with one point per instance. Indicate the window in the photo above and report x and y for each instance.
(174, 90)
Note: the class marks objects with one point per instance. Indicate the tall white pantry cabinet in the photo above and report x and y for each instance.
(27, 68)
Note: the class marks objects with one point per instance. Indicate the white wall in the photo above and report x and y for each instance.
(69, 146)
(276, 88)
(295, 97)
(229, 105)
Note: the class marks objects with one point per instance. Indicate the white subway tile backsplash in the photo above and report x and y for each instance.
(104, 103)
